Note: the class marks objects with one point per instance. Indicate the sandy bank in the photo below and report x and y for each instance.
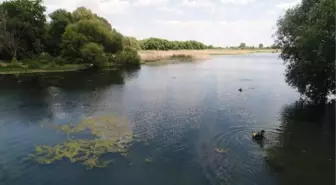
(154, 55)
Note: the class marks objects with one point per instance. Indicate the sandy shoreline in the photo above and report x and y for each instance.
(154, 55)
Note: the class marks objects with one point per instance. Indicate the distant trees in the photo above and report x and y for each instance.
(242, 45)
(260, 46)
(163, 44)
(306, 35)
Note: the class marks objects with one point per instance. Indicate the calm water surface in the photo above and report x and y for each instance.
(184, 111)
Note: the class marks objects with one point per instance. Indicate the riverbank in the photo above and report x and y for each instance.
(146, 56)
(20, 68)
(149, 56)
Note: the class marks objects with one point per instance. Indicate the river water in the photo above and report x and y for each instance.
(185, 112)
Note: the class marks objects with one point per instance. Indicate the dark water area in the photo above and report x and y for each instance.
(185, 112)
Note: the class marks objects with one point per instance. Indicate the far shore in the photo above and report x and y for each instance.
(148, 56)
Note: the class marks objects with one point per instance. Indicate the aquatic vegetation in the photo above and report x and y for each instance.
(221, 150)
(110, 136)
(149, 160)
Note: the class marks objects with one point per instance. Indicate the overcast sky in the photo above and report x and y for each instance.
(217, 22)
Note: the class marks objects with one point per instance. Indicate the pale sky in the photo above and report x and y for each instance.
(216, 22)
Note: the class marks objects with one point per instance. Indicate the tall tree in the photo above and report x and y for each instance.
(306, 35)
(26, 18)
(60, 19)
(82, 13)
(9, 38)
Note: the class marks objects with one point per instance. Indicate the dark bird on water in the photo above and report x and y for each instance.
(240, 89)
(258, 135)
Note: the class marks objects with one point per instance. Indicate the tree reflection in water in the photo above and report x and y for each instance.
(305, 148)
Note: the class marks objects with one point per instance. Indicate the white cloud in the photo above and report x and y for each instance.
(170, 10)
(225, 32)
(288, 4)
(150, 2)
(271, 12)
(237, 2)
(202, 20)
(97, 6)
(197, 3)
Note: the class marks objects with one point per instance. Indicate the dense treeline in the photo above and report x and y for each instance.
(69, 38)
(163, 44)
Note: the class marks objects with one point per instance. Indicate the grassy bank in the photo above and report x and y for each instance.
(18, 68)
(148, 56)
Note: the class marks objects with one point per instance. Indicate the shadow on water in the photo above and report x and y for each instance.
(66, 80)
(34, 95)
(305, 149)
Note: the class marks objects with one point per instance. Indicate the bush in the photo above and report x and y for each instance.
(127, 57)
(94, 53)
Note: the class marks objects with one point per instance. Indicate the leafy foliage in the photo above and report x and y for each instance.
(132, 43)
(26, 21)
(306, 35)
(60, 19)
(82, 13)
(128, 57)
(93, 53)
(163, 44)
(86, 31)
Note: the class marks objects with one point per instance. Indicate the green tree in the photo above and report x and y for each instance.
(94, 53)
(26, 20)
(60, 19)
(306, 35)
(128, 57)
(131, 42)
(260, 46)
(82, 13)
(86, 31)
(9, 39)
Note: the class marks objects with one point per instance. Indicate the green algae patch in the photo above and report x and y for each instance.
(111, 135)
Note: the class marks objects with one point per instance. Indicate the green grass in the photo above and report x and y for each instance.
(23, 68)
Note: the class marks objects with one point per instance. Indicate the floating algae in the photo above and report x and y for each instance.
(221, 150)
(110, 136)
(149, 160)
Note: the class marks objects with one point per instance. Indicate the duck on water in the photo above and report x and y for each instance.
(258, 135)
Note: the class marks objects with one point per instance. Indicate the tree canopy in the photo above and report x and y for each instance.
(80, 36)
(86, 31)
(25, 21)
(306, 35)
